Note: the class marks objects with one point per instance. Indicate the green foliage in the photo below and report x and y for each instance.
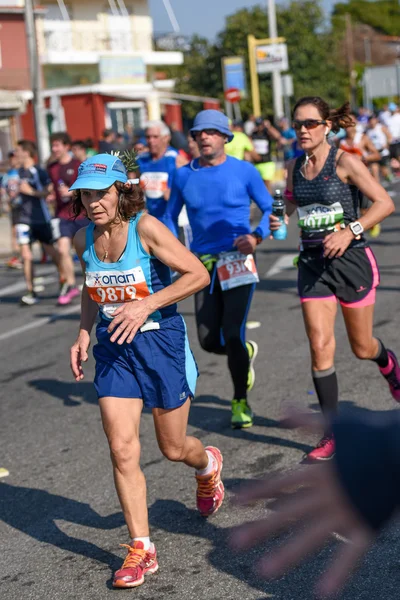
(382, 15)
(129, 159)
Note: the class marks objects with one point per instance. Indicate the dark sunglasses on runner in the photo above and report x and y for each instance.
(307, 123)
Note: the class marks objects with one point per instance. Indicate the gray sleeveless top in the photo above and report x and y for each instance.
(325, 203)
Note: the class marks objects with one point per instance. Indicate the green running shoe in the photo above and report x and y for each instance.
(252, 349)
(242, 415)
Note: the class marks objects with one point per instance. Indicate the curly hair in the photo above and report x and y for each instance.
(340, 117)
(130, 201)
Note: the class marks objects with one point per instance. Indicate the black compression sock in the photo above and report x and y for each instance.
(326, 386)
(382, 357)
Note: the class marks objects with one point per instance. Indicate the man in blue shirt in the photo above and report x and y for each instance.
(157, 167)
(217, 190)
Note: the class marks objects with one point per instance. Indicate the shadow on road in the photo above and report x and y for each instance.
(217, 420)
(34, 512)
(66, 390)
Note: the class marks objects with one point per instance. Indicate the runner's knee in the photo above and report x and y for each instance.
(362, 350)
(173, 451)
(210, 341)
(322, 349)
(124, 452)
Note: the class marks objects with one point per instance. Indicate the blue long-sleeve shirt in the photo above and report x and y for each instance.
(218, 202)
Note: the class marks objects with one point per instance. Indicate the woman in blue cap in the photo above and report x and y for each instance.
(142, 352)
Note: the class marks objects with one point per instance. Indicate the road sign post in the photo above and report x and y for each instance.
(265, 56)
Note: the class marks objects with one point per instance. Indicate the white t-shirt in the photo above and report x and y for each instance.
(394, 126)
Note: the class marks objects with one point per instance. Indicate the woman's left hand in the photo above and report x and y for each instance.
(127, 320)
(337, 243)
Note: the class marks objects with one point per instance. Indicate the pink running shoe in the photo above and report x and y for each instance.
(392, 375)
(136, 565)
(210, 489)
(67, 294)
(325, 450)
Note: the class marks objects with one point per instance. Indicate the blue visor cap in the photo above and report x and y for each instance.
(99, 172)
(212, 119)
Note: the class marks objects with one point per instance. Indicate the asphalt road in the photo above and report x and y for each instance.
(60, 521)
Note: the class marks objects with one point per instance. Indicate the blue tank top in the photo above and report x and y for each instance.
(156, 178)
(134, 276)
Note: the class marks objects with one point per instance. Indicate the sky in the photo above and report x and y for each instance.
(205, 17)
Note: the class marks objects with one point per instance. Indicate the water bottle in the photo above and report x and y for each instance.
(61, 188)
(279, 210)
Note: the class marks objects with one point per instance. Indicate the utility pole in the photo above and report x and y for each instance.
(39, 116)
(350, 62)
(276, 75)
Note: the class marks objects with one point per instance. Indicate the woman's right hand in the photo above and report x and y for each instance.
(275, 223)
(79, 354)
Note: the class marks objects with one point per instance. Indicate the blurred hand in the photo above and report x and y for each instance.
(323, 504)
(27, 189)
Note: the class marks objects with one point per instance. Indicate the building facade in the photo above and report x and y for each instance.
(98, 66)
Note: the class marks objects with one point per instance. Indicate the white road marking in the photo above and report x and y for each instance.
(40, 322)
(20, 286)
(283, 263)
(253, 324)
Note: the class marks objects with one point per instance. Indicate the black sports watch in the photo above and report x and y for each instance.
(257, 237)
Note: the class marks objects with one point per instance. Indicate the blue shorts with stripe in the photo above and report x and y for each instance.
(157, 366)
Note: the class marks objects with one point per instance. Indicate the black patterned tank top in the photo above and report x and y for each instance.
(324, 204)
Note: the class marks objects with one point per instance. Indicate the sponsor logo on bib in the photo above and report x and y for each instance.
(320, 217)
(111, 289)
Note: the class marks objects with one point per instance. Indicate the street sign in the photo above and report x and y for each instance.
(232, 95)
(233, 74)
(271, 57)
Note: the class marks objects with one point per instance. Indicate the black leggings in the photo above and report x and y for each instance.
(221, 328)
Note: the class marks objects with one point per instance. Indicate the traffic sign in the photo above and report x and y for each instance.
(232, 95)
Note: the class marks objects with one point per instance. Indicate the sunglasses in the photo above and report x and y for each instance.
(307, 123)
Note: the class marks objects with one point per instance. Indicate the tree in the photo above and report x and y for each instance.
(312, 49)
(382, 15)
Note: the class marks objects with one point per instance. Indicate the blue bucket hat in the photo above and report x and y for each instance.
(99, 172)
(212, 119)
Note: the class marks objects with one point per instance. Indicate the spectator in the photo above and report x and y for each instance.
(79, 150)
(63, 172)
(107, 144)
(140, 146)
(289, 138)
(241, 147)
(250, 125)
(11, 197)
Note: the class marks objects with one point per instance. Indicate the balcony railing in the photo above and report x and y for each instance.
(112, 35)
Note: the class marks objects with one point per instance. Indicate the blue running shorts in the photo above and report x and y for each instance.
(157, 366)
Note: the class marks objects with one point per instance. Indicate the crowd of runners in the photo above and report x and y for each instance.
(124, 211)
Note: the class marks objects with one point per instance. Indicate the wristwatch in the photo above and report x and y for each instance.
(356, 229)
(258, 238)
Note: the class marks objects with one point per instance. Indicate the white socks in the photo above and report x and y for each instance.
(145, 541)
(210, 468)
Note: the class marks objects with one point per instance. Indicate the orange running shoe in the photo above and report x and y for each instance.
(136, 565)
(210, 489)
